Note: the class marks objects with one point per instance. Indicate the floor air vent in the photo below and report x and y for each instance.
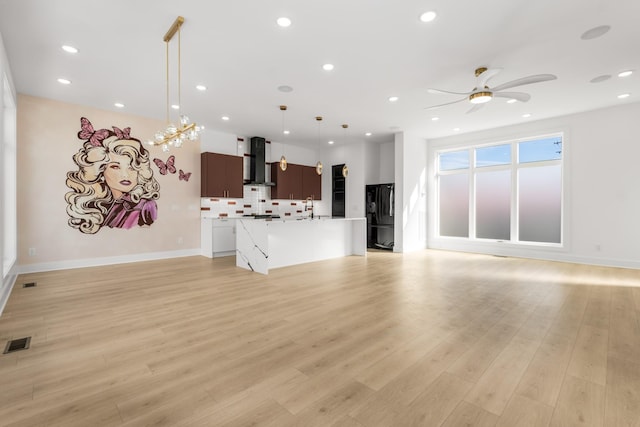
(17, 345)
(29, 285)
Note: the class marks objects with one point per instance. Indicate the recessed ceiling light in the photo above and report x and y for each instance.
(526, 115)
(600, 79)
(175, 106)
(330, 142)
(456, 129)
(327, 67)
(119, 105)
(284, 21)
(595, 32)
(626, 73)
(435, 119)
(367, 134)
(428, 16)
(286, 132)
(201, 88)
(69, 49)
(512, 101)
(624, 95)
(393, 98)
(225, 118)
(64, 81)
(285, 88)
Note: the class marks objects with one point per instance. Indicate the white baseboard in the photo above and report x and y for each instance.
(547, 254)
(95, 262)
(7, 286)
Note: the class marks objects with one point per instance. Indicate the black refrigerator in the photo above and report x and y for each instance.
(380, 204)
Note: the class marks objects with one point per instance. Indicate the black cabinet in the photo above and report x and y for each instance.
(338, 189)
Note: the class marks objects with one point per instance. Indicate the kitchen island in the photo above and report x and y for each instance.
(263, 244)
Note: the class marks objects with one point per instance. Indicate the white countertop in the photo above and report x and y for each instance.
(282, 219)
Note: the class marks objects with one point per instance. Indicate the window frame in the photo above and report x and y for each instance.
(514, 166)
(8, 159)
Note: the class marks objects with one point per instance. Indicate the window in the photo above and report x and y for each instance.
(503, 192)
(454, 160)
(8, 157)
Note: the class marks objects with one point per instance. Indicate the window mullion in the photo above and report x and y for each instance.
(472, 194)
(514, 192)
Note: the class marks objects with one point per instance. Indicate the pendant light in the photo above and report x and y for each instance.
(319, 164)
(345, 169)
(172, 134)
(283, 159)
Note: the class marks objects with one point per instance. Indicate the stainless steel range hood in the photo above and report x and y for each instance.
(258, 164)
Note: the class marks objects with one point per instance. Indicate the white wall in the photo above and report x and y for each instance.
(8, 214)
(355, 183)
(601, 195)
(212, 141)
(387, 163)
(410, 152)
(353, 155)
(379, 163)
(293, 153)
(372, 164)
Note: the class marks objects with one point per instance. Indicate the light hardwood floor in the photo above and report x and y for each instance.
(431, 338)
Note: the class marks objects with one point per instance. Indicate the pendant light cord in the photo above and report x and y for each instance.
(167, 67)
(179, 73)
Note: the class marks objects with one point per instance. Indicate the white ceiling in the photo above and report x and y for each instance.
(379, 49)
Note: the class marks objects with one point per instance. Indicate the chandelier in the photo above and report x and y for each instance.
(175, 135)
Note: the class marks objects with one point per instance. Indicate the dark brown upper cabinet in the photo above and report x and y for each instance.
(298, 182)
(221, 175)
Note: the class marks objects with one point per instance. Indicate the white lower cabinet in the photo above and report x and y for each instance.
(218, 237)
(224, 237)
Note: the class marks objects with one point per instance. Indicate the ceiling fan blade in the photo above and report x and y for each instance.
(520, 96)
(475, 108)
(447, 92)
(526, 81)
(448, 103)
(482, 79)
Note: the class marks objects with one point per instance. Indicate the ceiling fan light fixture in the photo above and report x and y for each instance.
(480, 97)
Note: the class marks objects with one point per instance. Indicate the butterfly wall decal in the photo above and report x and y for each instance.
(122, 133)
(168, 166)
(184, 176)
(88, 133)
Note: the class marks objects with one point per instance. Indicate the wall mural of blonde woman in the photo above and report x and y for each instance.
(114, 184)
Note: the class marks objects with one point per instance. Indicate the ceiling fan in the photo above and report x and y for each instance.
(482, 93)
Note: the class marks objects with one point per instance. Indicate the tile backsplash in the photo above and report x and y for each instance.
(256, 201)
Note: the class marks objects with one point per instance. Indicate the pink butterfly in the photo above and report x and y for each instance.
(184, 176)
(95, 137)
(122, 133)
(168, 166)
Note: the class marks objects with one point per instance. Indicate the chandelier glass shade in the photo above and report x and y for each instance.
(175, 135)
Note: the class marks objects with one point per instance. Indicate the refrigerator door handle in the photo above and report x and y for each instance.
(391, 202)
